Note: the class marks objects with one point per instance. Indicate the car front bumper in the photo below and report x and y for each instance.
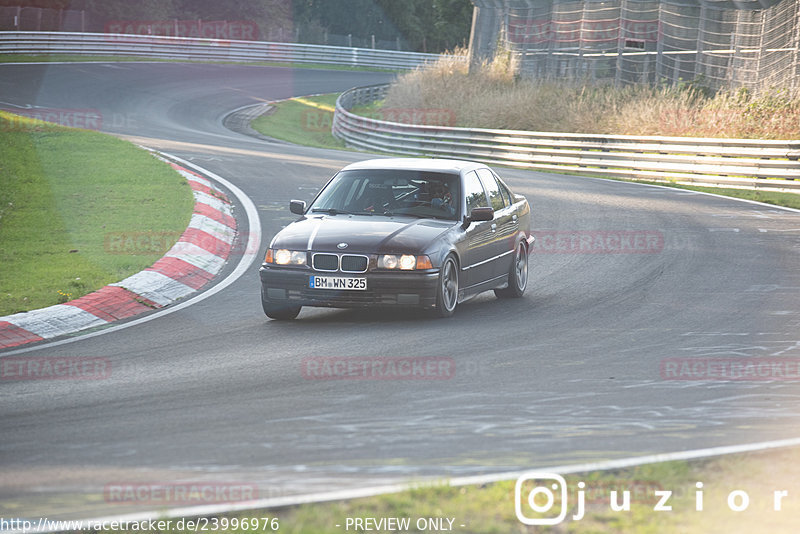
(384, 289)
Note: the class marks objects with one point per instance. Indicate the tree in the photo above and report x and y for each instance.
(425, 25)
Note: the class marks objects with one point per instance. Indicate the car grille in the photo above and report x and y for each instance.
(333, 297)
(326, 262)
(354, 264)
(347, 263)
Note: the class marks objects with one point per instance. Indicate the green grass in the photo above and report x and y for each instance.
(304, 121)
(79, 210)
(307, 120)
(489, 509)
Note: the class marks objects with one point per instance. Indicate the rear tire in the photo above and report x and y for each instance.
(447, 289)
(277, 310)
(517, 275)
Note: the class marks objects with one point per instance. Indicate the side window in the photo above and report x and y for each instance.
(473, 191)
(489, 182)
(506, 193)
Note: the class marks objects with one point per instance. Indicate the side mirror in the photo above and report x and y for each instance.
(478, 215)
(481, 214)
(297, 207)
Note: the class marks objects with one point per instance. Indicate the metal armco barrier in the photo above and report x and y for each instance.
(735, 163)
(165, 47)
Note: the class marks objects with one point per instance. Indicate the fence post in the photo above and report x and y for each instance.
(701, 33)
(796, 63)
(762, 26)
(660, 45)
(579, 62)
(736, 50)
(620, 47)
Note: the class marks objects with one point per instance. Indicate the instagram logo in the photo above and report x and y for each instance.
(549, 491)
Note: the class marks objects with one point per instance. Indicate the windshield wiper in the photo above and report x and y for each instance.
(404, 214)
(330, 211)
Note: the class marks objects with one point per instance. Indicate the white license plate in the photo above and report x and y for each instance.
(337, 282)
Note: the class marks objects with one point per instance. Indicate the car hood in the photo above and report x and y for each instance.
(363, 234)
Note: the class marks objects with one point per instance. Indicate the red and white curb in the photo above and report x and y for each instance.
(199, 254)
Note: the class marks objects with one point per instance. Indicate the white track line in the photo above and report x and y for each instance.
(681, 189)
(250, 253)
(294, 500)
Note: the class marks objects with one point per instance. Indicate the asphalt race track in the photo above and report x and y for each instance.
(571, 373)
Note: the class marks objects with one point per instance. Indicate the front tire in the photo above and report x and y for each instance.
(278, 311)
(517, 275)
(447, 289)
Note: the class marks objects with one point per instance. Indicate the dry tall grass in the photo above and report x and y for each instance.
(490, 97)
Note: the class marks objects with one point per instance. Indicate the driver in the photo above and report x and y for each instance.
(441, 197)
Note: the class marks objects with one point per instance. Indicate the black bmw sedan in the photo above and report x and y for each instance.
(400, 232)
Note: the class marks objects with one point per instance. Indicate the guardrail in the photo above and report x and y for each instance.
(735, 163)
(166, 47)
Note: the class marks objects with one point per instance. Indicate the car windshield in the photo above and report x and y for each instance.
(390, 192)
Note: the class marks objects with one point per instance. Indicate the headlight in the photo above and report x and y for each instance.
(286, 257)
(387, 261)
(406, 262)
